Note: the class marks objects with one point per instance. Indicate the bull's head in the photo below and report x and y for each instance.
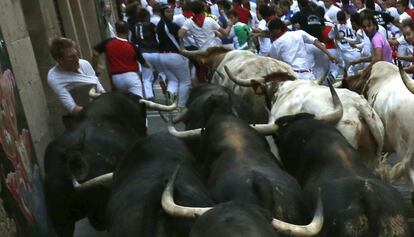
(168, 204)
(266, 86)
(210, 57)
(269, 129)
(358, 83)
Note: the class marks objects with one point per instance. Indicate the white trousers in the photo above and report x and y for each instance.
(347, 57)
(148, 73)
(177, 71)
(128, 81)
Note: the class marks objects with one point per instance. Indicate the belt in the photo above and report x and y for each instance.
(302, 70)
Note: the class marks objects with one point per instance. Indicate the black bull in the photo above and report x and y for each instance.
(206, 100)
(209, 98)
(134, 208)
(241, 169)
(355, 202)
(103, 131)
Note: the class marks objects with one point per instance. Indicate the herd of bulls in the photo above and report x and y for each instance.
(219, 177)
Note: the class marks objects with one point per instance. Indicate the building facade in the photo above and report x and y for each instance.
(30, 114)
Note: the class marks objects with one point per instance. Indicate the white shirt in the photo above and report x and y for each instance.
(290, 48)
(180, 21)
(330, 14)
(204, 37)
(404, 16)
(215, 10)
(264, 42)
(61, 82)
(345, 34)
(155, 19)
(365, 44)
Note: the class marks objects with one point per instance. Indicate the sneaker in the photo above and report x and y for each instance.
(170, 98)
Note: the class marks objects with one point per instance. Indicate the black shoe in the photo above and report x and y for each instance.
(170, 98)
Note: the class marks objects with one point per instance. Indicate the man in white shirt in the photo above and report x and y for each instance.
(331, 11)
(342, 32)
(69, 72)
(288, 46)
(203, 28)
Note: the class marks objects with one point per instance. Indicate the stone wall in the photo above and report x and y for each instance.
(28, 80)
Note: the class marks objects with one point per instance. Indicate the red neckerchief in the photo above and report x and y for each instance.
(188, 13)
(277, 35)
(199, 19)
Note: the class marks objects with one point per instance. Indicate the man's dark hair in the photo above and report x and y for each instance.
(225, 4)
(197, 7)
(121, 27)
(408, 23)
(303, 3)
(143, 15)
(316, 8)
(157, 8)
(370, 4)
(286, 3)
(340, 16)
(186, 6)
(367, 15)
(356, 18)
(232, 13)
(276, 24)
(58, 45)
(239, 2)
(266, 11)
(403, 3)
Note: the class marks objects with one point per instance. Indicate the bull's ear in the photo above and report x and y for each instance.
(259, 88)
(76, 165)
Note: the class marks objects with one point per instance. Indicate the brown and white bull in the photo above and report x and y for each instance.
(360, 125)
(382, 86)
(242, 63)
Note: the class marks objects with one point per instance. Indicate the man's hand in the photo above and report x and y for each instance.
(353, 62)
(333, 59)
(77, 109)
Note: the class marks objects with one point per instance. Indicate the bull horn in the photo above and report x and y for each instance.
(104, 180)
(156, 106)
(189, 134)
(265, 129)
(242, 82)
(93, 94)
(169, 206)
(336, 115)
(180, 117)
(193, 53)
(311, 229)
(322, 78)
(407, 81)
